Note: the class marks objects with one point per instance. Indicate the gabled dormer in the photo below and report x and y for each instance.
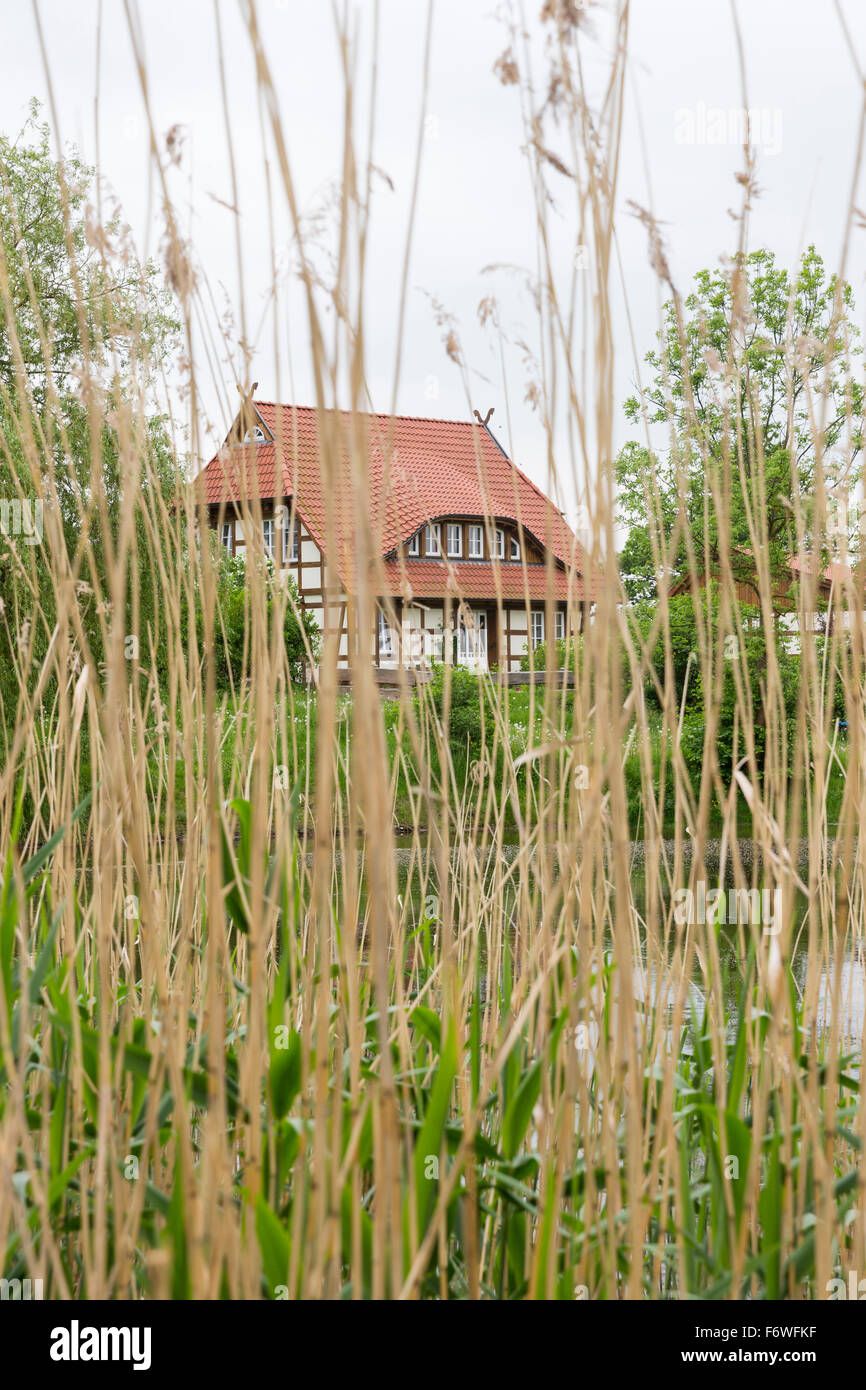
(248, 426)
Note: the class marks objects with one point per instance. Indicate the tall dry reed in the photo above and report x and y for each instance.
(249, 1048)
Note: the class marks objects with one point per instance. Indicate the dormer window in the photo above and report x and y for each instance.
(455, 541)
(515, 548)
(500, 543)
(476, 542)
(255, 436)
(415, 543)
(431, 539)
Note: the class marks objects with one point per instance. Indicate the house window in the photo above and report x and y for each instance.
(476, 543)
(415, 543)
(386, 645)
(559, 625)
(432, 539)
(515, 548)
(500, 543)
(291, 541)
(227, 536)
(455, 541)
(268, 535)
(255, 436)
(537, 626)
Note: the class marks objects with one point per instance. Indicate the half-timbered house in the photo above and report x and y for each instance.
(471, 562)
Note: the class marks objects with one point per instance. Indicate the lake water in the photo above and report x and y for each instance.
(848, 961)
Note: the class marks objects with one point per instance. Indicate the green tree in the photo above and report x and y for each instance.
(682, 630)
(760, 355)
(85, 329)
(749, 652)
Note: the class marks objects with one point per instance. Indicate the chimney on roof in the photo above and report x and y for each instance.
(486, 418)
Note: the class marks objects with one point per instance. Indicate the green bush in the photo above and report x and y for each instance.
(563, 655)
(470, 722)
(233, 647)
(683, 627)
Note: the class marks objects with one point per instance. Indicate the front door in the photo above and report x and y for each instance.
(472, 639)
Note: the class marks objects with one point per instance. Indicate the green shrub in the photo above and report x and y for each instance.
(563, 655)
(233, 647)
(470, 723)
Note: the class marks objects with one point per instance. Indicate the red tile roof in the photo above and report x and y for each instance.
(418, 469)
(426, 579)
(241, 472)
(836, 571)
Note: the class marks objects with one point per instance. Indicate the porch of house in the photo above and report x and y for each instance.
(478, 636)
(390, 680)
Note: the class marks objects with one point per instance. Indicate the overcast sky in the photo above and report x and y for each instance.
(475, 209)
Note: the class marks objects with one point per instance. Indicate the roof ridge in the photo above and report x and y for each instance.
(383, 415)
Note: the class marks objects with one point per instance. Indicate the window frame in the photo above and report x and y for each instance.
(291, 541)
(536, 616)
(559, 625)
(433, 532)
(227, 537)
(476, 533)
(268, 522)
(414, 546)
(500, 543)
(514, 548)
(455, 528)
